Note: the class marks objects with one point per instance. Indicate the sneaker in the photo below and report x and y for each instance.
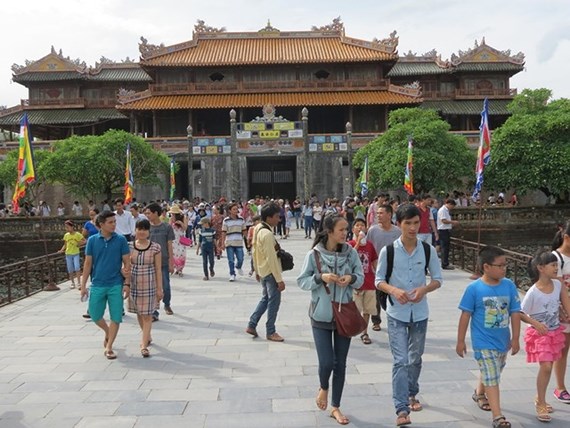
(168, 310)
(562, 396)
(205, 278)
(154, 318)
(240, 271)
(232, 278)
(448, 267)
(72, 285)
(275, 338)
(86, 315)
(212, 273)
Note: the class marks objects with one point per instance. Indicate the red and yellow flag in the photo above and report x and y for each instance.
(409, 177)
(26, 171)
(129, 182)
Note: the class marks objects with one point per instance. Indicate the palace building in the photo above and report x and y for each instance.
(271, 112)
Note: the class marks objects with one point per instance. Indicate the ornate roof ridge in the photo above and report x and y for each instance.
(74, 64)
(429, 56)
(410, 89)
(470, 53)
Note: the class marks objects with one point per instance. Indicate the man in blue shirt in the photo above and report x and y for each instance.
(407, 309)
(107, 261)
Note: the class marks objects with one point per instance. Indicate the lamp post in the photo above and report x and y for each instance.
(190, 169)
(349, 149)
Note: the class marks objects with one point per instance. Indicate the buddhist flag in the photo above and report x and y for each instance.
(172, 180)
(129, 182)
(364, 178)
(409, 177)
(26, 171)
(484, 154)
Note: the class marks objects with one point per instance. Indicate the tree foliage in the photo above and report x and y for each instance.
(532, 149)
(9, 173)
(91, 165)
(440, 159)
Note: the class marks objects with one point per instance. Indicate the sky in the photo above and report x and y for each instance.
(88, 29)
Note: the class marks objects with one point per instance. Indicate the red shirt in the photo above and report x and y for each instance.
(424, 220)
(367, 255)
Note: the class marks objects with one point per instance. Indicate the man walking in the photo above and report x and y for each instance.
(162, 234)
(427, 222)
(407, 309)
(125, 221)
(233, 233)
(106, 253)
(444, 226)
(267, 271)
(381, 234)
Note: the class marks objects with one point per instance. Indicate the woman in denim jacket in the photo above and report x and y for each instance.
(341, 270)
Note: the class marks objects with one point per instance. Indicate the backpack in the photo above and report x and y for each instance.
(390, 259)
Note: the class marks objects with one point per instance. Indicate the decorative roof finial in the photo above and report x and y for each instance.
(268, 28)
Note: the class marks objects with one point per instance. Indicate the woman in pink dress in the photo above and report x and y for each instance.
(179, 223)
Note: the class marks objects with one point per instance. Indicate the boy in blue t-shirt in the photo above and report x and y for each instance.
(206, 243)
(490, 302)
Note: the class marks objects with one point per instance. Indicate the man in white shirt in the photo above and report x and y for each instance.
(444, 226)
(125, 221)
(77, 209)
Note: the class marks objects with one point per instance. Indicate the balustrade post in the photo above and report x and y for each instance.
(27, 274)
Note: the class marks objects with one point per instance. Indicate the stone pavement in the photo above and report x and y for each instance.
(206, 372)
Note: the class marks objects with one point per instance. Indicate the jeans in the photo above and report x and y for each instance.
(165, 288)
(208, 256)
(444, 242)
(297, 215)
(426, 237)
(308, 225)
(332, 351)
(407, 341)
(270, 302)
(234, 252)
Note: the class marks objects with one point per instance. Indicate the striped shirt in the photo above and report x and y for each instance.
(234, 228)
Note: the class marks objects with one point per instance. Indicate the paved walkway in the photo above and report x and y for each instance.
(206, 372)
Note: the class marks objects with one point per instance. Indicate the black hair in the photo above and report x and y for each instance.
(102, 217)
(119, 201)
(388, 208)
(142, 224)
(406, 212)
(256, 218)
(95, 210)
(450, 201)
(488, 254)
(559, 237)
(269, 210)
(328, 224)
(358, 220)
(541, 258)
(178, 217)
(154, 208)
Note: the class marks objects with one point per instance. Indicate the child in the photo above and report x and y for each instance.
(544, 338)
(489, 302)
(365, 296)
(72, 240)
(206, 243)
(288, 218)
(255, 219)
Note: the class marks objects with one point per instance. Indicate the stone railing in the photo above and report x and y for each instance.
(508, 214)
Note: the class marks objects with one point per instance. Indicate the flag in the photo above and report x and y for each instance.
(26, 171)
(129, 182)
(172, 180)
(484, 153)
(409, 177)
(364, 178)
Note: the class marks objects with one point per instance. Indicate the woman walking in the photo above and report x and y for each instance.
(331, 271)
(217, 221)
(179, 223)
(146, 280)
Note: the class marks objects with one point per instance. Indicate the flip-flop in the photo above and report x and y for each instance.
(321, 404)
(376, 327)
(337, 415)
(415, 405)
(110, 355)
(403, 419)
(145, 352)
(365, 339)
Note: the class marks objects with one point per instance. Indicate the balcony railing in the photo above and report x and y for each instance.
(56, 102)
(469, 94)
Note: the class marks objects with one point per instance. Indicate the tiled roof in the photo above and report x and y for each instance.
(132, 74)
(173, 102)
(63, 116)
(404, 68)
(471, 107)
(278, 50)
(47, 76)
(489, 66)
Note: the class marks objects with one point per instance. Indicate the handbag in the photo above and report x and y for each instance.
(185, 241)
(347, 317)
(284, 257)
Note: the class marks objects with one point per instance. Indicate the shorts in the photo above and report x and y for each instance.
(365, 301)
(491, 364)
(72, 262)
(98, 299)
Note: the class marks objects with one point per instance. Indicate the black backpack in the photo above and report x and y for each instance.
(390, 259)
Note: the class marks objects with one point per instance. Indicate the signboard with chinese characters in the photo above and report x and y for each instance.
(328, 143)
(211, 146)
(269, 130)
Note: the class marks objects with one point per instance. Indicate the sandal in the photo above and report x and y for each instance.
(339, 417)
(110, 355)
(321, 404)
(145, 352)
(501, 422)
(376, 327)
(481, 400)
(415, 405)
(403, 419)
(549, 408)
(542, 413)
(365, 339)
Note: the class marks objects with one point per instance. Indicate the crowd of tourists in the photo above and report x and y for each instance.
(381, 254)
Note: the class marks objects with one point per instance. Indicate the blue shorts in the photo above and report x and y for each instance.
(98, 299)
(491, 364)
(72, 262)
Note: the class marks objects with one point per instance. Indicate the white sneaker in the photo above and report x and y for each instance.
(240, 271)
(232, 278)
(72, 286)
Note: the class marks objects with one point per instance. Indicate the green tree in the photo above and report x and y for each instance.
(440, 159)
(91, 165)
(532, 149)
(9, 173)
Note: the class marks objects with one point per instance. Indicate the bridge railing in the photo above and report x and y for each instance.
(31, 275)
(463, 254)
